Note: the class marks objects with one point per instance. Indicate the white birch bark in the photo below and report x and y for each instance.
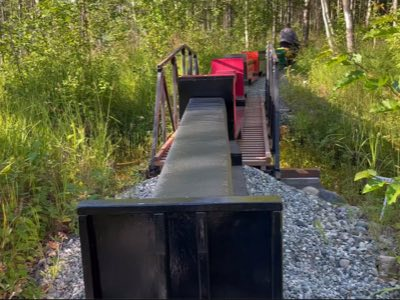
(394, 9)
(349, 25)
(246, 25)
(368, 15)
(325, 16)
(274, 20)
(394, 6)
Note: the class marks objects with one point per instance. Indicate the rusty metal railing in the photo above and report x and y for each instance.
(272, 103)
(189, 66)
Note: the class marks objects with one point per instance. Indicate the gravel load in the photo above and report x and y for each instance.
(328, 252)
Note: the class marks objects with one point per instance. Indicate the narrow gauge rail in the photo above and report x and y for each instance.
(202, 236)
(256, 116)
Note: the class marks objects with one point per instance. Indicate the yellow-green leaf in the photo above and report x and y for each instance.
(393, 192)
(372, 185)
(365, 174)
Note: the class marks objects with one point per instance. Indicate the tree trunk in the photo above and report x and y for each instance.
(228, 16)
(394, 10)
(289, 11)
(328, 25)
(349, 26)
(2, 20)
(394, 6)
(306, 21)
(246, 24)
(368, 14)
(328, 19)
(281, 15)
(84, 17)
(317, 17)
(360, 13)
(274, 21)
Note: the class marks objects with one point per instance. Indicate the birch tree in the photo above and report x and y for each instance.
(246, 24)
(394, 6)
(274, 20)
(306, 21)
(394, 9)
(368, 14)
(327, 23)
(349, 25)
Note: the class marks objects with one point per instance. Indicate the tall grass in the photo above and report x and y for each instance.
(336, 130)
(68, 119)
(63, 126)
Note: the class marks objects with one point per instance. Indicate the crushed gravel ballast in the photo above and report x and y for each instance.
(328, 252)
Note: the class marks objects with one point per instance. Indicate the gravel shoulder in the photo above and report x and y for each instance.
(328, 252)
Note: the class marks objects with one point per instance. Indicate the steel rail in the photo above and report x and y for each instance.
(272, 103)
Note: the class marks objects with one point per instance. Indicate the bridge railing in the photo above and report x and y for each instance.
(272, 103)
(166, 112)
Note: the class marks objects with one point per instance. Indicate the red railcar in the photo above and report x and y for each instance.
(253, 57)
(228, 66)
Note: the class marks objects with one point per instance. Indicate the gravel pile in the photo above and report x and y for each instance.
(68, 283)
(327, 250)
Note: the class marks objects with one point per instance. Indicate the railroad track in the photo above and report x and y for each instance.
(202, 236)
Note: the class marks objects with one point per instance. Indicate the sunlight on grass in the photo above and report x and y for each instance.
(335, 131)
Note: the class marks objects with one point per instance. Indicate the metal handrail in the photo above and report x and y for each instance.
(272, 103)
(189, 66)
(182, 49)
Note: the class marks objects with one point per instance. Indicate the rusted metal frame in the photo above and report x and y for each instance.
(166, 95)
(163, 119)
(156, 120)
(175, 92)
(164, 149)
(162, 95)
(173, 54)
(183, 61)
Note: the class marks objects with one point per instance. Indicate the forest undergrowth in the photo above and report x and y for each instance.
(338, 131)
(77, 89)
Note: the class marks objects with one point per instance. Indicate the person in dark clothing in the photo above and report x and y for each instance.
(289, 40)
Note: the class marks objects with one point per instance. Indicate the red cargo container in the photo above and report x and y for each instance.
(235, 65)
(248, 66)
(253, 56)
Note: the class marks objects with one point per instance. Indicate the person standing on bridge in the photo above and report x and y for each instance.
(289, 40)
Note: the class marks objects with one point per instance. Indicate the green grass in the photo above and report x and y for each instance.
(73, 126)
(64, 127)
(335, 130)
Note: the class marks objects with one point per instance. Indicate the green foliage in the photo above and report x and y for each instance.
(365, 174)
(350, 77)
(77, 87)
(386, 86)
(375, 182)
(67, 113)
(348, 92)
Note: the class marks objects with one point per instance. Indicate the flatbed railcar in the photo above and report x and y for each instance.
(201, 236)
